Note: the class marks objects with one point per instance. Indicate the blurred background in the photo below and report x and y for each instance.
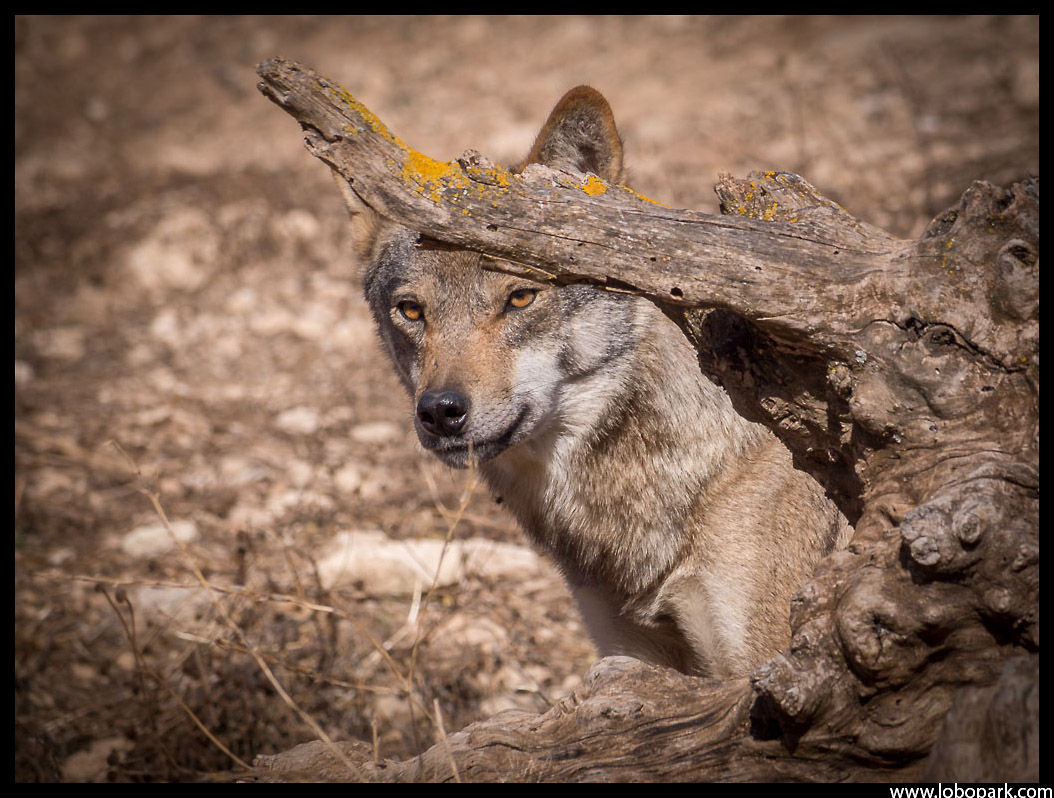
(227, 540)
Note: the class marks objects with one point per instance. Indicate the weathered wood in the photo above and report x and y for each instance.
(628, 721)
(904, 375)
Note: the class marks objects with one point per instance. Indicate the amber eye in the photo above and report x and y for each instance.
(411, 310)
(521, 298)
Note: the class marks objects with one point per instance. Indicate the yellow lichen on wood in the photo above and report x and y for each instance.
(354, 108)
(490, 175)
(646, 199)
(434, 178)
(594, 186)
(431, 177)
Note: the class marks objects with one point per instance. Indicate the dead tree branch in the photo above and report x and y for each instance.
(903, 375)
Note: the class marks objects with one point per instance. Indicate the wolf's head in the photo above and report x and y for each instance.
(494, 361)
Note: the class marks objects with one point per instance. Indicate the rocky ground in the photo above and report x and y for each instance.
(227, 540)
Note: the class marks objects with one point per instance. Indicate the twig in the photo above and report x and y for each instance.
(445, 742)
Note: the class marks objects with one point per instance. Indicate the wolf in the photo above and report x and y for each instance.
(681, 529)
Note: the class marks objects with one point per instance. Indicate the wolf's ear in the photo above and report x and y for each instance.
(366, 223)
(580, 134)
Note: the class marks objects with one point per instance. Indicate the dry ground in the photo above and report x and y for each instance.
(186, 307)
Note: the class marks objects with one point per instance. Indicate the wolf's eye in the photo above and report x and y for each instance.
(521, 298)
(411, 310)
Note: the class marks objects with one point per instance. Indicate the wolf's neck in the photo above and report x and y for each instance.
(607, 489)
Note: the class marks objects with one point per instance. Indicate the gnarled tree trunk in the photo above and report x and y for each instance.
(903, 375)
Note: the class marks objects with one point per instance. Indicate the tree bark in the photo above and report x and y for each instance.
(903, 375)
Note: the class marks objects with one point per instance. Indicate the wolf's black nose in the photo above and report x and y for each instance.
(443, 412)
